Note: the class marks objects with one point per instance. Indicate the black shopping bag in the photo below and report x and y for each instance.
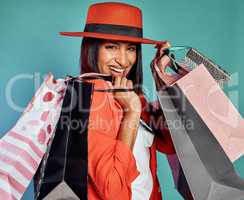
(63, 172)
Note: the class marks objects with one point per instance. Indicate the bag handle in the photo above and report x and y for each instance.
(162, 77)
(86, 75)
(97, 75)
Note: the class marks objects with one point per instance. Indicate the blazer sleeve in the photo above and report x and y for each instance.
(164, 142)
(111, 166)
(154, 117)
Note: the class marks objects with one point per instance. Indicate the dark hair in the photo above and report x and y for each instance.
(89, 57)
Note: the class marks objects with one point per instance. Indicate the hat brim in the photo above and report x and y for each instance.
(112, 37)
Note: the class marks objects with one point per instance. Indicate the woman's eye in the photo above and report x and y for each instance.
(132, 49)
(110, 47)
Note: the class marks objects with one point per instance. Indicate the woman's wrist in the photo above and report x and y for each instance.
(131, 119)
(128, 127)
(132, 111)
(134, 108)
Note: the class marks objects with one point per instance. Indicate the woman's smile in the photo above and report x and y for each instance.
(117, 70)
(116, 58)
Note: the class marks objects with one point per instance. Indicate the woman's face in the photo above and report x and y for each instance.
(116, 58)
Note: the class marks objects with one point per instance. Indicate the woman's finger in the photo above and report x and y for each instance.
(117, 82)
(129, 84)
(123, 83)
(161, 48)
(163, 62)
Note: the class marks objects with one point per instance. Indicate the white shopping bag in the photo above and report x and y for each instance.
(23, 147)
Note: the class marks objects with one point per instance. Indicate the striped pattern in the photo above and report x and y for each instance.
(20, 150)
(19, 159)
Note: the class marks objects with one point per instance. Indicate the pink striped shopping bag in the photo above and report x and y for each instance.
(23, 147)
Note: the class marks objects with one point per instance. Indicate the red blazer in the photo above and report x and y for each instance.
(111, 164)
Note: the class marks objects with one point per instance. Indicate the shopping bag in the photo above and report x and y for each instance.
(64, 170)
(193, 58)
(186, 103)
(179, 177)
(155, 124)
(63, 174)
(217, 111)
(22, 148)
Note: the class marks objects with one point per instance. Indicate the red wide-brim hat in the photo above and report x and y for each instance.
(114, 21)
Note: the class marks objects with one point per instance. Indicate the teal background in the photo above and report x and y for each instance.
(30, 44)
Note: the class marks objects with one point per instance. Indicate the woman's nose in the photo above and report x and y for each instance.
(122, 58)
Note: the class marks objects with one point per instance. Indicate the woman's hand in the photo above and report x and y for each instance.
(131, 104)
(129, 100)
(162, 60)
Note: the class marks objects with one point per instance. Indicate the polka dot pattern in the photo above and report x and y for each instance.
(48, 97)
(41, 136)
(44, 115)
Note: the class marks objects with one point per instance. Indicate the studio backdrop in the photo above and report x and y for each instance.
(30, 47)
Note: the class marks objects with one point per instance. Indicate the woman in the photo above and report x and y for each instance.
(112, 46)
